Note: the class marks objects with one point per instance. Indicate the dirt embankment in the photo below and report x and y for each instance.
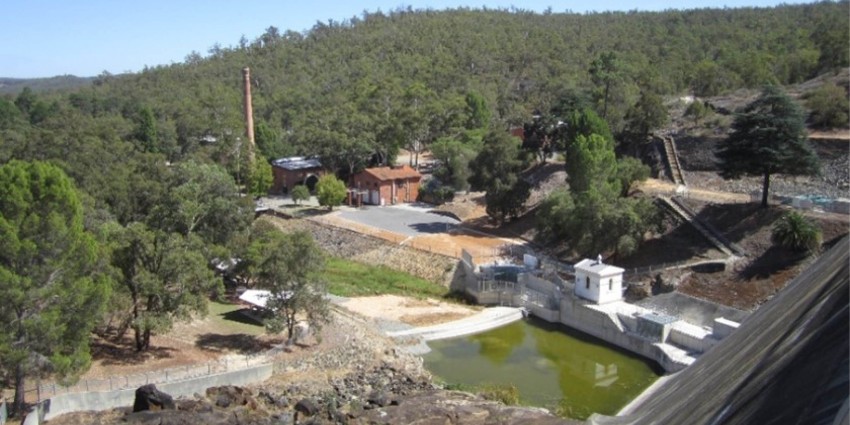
(355, 246)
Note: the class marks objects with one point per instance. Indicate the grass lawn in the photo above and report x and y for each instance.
(352, 279)
(228, 320)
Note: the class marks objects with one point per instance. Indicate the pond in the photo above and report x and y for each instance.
(552, 366)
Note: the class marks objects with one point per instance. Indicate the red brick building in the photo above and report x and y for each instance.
(292, 171)
(386, 185)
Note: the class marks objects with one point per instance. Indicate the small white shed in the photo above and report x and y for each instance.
(598, 282)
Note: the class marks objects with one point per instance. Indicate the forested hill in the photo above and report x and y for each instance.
(61, 82)
(383, 80)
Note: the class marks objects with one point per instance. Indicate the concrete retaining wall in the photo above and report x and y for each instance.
(691, 342)
(105, 400)
(692, 310)
(550, 316)
(629, 322)
(600, 325)
(536, 283)
(508, 298)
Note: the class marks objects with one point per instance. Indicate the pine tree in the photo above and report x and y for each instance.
(768, 137)
(52, 293)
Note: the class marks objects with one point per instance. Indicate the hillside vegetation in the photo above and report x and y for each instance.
(145, 175)
(356, 92)
(384, 81)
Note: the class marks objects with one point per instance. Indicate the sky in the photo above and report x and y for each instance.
(44, 38)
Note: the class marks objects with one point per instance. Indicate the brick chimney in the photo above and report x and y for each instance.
(249, 112)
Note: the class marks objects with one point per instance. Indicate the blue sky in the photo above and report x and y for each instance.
(42, 38)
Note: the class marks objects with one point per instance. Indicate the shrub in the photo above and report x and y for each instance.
(330, 191)
(434, 193)
(794, 231)
(829, 107)
(697, 111)
(300, 193)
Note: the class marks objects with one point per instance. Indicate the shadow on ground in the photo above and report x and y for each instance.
(240, 343)
(432, 227)
(774, 260)
(123, 352)
(239, 316)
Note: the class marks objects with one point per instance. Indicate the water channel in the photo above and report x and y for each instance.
(551, 365)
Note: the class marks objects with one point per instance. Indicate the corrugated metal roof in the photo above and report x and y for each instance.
(257, 297)
(297, 163)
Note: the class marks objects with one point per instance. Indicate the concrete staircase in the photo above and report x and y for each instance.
(489, 318)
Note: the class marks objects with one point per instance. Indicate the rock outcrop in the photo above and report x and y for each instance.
(148, 397)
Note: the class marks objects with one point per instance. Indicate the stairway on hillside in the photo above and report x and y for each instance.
(673, 163)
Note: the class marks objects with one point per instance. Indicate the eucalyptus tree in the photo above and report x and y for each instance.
(289, 266)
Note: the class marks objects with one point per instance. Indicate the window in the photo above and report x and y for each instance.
(587, 282)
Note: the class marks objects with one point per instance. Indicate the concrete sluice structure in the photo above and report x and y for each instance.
(595, 308)
(787, 363)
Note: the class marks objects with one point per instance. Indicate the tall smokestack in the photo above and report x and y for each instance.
(249, 112)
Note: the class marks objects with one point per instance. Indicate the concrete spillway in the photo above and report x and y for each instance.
(786, 364)
(487, 319)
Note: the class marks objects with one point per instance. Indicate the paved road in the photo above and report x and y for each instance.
(403, 219)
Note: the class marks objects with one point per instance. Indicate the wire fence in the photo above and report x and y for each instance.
(45, 390)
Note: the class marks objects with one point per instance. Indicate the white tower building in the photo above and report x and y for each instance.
(598, 282)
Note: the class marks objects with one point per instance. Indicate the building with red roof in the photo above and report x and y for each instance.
(385, 185)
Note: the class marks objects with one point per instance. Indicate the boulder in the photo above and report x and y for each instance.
(306, 407)
(148, 397)
(229, 395)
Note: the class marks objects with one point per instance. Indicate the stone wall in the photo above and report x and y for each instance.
(366, 249)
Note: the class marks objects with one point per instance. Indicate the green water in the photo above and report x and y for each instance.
(553, 366)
